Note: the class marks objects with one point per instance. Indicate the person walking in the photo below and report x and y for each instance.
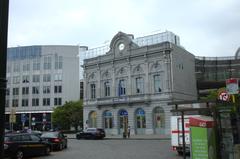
(128, 131)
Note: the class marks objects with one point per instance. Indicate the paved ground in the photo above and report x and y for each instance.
(117, 148)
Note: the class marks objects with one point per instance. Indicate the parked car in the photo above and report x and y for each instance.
(7, 131)
(57, 139)
(20, 145)
(91, 133)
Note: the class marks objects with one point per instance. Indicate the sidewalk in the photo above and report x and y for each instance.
(132, 137)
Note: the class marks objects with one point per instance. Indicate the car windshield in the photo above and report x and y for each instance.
(91, 130)
(49, 134)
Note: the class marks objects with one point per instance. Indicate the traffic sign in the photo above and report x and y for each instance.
(232, 86)
(12, 118)
(224, 96)
(23, 118)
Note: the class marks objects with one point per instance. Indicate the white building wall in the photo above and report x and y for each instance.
(69, 72)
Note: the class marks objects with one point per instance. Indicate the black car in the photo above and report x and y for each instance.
(20, 145)
(57, 139)
(91, 133)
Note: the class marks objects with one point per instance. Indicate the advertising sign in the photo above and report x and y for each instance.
(199, 143)
(203, 141)
(232, 86)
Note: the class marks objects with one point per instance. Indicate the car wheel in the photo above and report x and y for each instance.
(19, 154)
(180, 153)
(47, 150)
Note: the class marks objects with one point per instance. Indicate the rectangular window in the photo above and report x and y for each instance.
(58, 77)
(139, 85)
(47, 78)
(35, 102)
(36, 64)
(25, 90)
(35, 90)
(16, 79)
(46, 89)
(93, 91)
(8, 80)
(26, 67)
(57, 101)
(46, 101)
(57, 89)
(25, 79)
(16, 67)
(47, 63)
(6, 103)
(157, 84)
(15, 102)
(7, 91)
(36, 78)
(58, 62)
(15, 91)
(107, 89)
(24, 102)
(122, 87)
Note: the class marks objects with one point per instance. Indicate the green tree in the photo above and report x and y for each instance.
(213, 95)
(68, 115)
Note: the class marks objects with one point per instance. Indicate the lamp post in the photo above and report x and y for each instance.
(4, 4)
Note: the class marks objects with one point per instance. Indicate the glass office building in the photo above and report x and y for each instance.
(40, 78)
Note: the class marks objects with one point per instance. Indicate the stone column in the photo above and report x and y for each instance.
(131, 120)
(98, 78)
(149, 120)
(113, 88)
(99, 118)
(129, 84)
(115, 122)
(147, 78)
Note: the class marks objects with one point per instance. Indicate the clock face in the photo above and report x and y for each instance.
(121, 46)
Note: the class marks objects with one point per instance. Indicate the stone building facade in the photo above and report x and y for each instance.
(131, 85)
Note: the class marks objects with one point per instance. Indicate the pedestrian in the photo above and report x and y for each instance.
(128, 131)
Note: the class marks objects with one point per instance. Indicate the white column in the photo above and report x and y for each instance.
(149, 120)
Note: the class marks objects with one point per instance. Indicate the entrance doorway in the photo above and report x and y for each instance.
(140, 121)
(159, 120)
(123, 121)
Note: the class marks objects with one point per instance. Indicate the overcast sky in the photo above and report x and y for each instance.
(205, 27)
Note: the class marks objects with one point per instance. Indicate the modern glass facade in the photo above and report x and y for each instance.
(22, 53)
(217, 68)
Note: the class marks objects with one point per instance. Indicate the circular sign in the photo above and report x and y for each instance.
(33, 118)
(224, 96)
(121, 46)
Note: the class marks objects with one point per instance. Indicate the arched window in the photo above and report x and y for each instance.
(159, 117)
(108, 120)
(92, 120)
(140, 118)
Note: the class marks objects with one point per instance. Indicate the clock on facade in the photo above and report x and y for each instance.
(121, 46)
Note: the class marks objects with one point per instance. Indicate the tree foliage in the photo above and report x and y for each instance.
(213, 95)
(68, 115)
